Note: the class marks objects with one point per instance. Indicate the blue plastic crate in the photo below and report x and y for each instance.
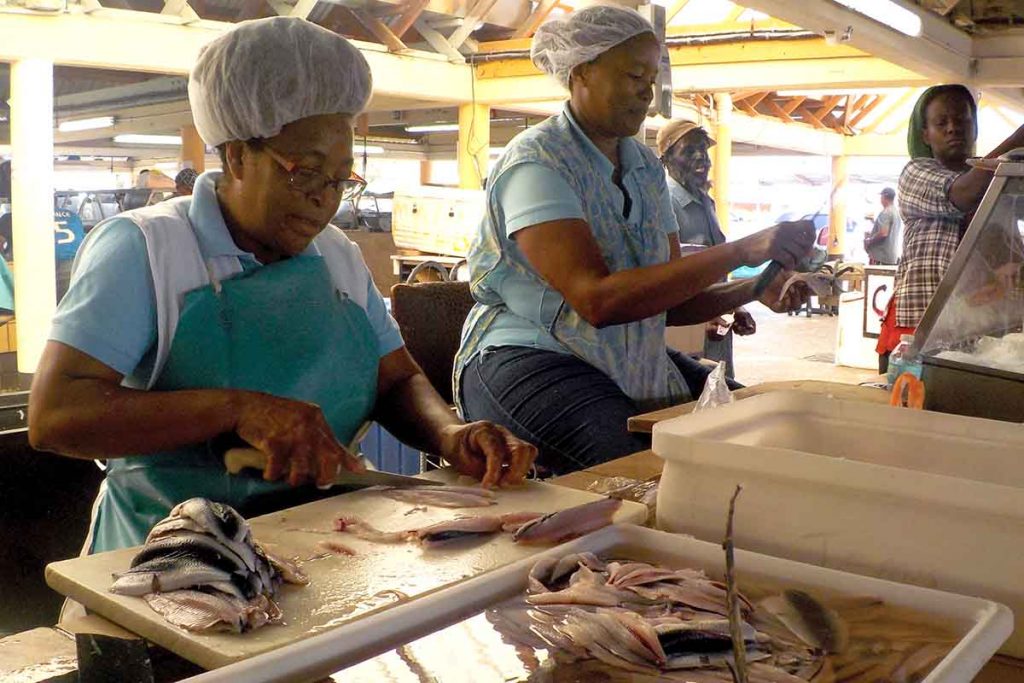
(387, 453)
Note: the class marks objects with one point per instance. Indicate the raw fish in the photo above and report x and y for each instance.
(557, 527)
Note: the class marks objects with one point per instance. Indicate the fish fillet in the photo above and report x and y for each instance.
(557, 527)
(434, 534)
(443, 496)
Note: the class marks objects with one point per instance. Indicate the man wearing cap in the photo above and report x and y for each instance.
(184, 182)
(238, 316)
(683, 148)
(882, 243)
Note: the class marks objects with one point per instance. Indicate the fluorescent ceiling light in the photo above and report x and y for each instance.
(887, 12)
(136, 139)
(85, 124)
(434, 128)
(369, 149)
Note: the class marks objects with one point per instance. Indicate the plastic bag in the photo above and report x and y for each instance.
(624, 488)
(716, 390)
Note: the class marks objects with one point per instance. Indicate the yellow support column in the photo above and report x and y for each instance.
(722, 159)
(35, 278)
(837, 207)
(193, 150)
(474, 145)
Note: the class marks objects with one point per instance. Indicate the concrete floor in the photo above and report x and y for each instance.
(792, 347)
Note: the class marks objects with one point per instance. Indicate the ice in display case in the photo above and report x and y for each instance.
(971, 338)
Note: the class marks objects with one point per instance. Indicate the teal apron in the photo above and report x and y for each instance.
(282, 329)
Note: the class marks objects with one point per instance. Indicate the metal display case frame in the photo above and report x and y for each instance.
(958, 386)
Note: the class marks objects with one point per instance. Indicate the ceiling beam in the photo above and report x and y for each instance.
(412, 12)
(114, 44)
(769, 24)
(180, 8)
(437, 41)
(895, 105)
(510, 14)
(378, 29)
(469, 23)
(709, 69)
(864, 111)
(674, 9)
(793, 104)
(302, 9)
(941, 52)
(536, 18)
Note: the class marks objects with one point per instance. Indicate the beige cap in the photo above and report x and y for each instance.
(673, 131)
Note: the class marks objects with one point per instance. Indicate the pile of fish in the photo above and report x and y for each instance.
(201, 569)
(653, 620)
(527, 528)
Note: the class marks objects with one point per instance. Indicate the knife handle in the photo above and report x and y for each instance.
(237, 459)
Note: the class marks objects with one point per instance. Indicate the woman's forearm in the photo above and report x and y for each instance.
(96, 419)
(967, 190)
(638, 293)
(415, 413)
(712, 302)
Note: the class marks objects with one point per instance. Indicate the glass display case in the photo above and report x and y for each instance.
(971, 339)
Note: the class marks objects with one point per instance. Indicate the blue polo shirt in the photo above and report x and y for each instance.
(109, 311)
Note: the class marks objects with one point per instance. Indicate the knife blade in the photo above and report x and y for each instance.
(237, 459)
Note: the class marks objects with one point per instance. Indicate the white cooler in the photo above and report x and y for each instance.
(915, 497)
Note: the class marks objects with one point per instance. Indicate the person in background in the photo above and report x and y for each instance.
(574, 267)
(238, 316)
(683, 148)
(882, 243)
(184, 181)
(939, 193)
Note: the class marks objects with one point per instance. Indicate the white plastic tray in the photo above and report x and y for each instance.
(985, 624)
(917, 497)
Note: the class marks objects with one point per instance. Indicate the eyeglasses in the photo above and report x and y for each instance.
(309, 182)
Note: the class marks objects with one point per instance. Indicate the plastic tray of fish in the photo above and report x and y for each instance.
(920, 634)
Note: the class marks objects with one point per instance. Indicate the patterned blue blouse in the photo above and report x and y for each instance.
(515, 306)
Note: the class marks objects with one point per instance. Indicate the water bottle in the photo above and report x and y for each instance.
(901, 360)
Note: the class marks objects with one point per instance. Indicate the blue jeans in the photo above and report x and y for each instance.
(574, 413)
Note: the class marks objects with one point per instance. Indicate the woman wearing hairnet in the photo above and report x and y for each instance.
(238, 315)
(575, 268)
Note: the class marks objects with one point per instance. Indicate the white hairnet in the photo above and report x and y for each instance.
(562, 44)
(264, 74)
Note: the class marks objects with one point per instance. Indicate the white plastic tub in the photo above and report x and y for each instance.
(983, 625)
(917, 497)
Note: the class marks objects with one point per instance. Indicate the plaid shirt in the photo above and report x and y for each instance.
(932, 230)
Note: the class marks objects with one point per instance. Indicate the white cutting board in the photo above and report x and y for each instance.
(342, 589)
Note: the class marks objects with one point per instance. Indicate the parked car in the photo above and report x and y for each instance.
(370, 211)
(94, 206)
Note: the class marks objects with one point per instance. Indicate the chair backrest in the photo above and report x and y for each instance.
(430, 315)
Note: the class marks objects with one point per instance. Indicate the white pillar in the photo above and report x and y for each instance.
(35, 286)
(723, 159)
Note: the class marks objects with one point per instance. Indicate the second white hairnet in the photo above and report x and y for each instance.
(562, 44)
(265, 74)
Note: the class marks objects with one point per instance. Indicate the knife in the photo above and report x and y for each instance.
(237, 459)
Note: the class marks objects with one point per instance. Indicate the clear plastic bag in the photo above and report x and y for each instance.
(716, 390)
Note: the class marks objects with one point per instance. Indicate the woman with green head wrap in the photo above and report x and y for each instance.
(938, 194)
